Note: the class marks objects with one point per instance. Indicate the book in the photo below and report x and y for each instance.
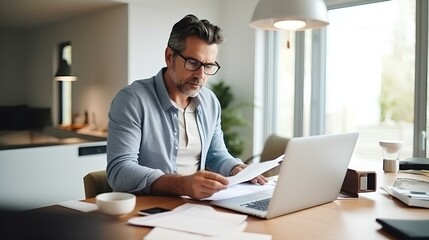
(414, 164)
(405, 228)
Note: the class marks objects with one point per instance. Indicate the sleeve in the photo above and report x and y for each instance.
(124, 173)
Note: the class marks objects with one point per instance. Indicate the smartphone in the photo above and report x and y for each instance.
(150, 211)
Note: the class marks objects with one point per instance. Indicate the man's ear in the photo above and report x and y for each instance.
(168, 56)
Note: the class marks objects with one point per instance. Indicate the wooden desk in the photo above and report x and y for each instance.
(341, 219)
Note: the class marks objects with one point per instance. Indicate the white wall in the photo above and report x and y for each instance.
(238, 59)
(12, 65)
(150, 23)
(102, 65)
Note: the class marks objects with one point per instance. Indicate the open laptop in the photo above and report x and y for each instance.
(311, 173)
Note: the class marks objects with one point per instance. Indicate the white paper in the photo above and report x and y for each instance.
(192, 218)
(388, 189)
(241, 189)
(190, 205)
(163, 233)
(253, 170)
(167, 234)
(79, 205)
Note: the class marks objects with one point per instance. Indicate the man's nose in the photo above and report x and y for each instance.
(200, 72)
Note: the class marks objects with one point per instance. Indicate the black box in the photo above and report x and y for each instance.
(359, 182)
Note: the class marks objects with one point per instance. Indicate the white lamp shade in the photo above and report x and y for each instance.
(270, 12)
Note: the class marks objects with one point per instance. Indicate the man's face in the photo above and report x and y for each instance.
(190, 82)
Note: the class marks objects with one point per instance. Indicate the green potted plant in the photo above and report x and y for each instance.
(231, 118)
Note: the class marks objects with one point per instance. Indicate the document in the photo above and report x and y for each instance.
(241, 189)
(194, 218)
(253, 170)
(167, 234)
(79, 206)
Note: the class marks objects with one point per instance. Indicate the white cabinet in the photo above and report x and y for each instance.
(41, 176)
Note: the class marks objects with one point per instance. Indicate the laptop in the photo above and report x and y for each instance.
(311, 173)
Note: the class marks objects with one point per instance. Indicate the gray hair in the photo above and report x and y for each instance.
(192, 26)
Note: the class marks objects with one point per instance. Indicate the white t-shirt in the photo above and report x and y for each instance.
(189, 140)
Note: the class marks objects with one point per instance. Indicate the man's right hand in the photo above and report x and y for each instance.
(203, 184)
(199, 185)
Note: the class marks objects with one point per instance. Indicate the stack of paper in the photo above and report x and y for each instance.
(193, 221)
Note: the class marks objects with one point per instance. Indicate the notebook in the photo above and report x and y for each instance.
(406, 228)
(311, 174)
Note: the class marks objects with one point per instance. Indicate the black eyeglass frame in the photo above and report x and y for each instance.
(196, 61)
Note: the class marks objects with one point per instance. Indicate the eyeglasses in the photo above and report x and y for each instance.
(193, 65)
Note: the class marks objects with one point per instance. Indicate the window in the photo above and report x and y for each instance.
(358, 74)
(370, 74)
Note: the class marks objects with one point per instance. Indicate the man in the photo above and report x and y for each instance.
(165, 132)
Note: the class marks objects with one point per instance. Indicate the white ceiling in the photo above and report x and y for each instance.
(24, 14)
(30, 13)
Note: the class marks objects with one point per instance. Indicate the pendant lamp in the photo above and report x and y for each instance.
(63, 75)
(292, 15)
(63, 72)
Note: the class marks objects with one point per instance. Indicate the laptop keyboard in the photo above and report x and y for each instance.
(261, 205)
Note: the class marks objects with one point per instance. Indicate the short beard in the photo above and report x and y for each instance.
(190, 93)
(187, 93)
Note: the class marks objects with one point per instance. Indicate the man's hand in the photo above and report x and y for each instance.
(257, 180)
(199, 185)
(203, 184)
